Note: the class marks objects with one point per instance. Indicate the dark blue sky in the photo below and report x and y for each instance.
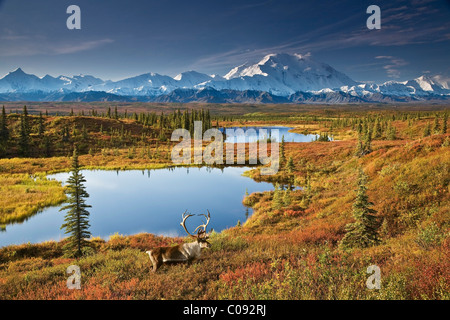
(119, 39)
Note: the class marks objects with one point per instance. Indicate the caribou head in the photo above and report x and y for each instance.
(201, 237)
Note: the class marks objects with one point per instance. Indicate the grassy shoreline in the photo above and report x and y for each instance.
(23, 196)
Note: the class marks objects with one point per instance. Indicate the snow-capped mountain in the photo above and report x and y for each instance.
(276, 77)
(284, 74)
(19, 81)
(148, 84)
(191, 79)
(422, 86)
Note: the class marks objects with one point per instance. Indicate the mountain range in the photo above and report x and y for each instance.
(277, 78)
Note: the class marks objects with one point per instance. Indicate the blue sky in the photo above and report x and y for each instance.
(120, 39)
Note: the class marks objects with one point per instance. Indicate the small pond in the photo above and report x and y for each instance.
(131, 202)
(253, 134)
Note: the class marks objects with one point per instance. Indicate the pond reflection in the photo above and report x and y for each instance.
(130, 202)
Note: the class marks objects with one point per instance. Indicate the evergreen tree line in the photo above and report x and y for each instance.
(175, 120)
(29, 138)
(439, 126)
(21, 139)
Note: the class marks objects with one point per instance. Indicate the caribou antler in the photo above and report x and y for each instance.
(184, 216)
(205, 224)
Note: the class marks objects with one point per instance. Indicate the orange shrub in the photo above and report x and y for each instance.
(253, 271)
(317, 233)
(430, 277)
(293, 213)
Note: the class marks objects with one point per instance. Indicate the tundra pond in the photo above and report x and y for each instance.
(135, 201)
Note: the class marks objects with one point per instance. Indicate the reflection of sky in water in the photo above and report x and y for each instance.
(129, 202)
(252, 134)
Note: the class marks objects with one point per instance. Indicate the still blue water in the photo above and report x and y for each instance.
(252, 134)
(131, 202)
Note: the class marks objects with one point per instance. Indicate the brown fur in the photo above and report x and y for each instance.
(185, 252)
(176, 254)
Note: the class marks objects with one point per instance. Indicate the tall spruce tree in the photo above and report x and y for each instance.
(436, 125)
(427, 130)
(364, 231)
(41, 127)
(24, 133)
(76, 223)
(290, 165)
(282, 155)
(444, 124)
(391, 132)
(364, 145)
(376, 130)
(277, 200)
(368, 142)
(4, 131)
(287, 199)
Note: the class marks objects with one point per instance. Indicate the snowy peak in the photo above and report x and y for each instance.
(284, 74)
(444, 82)
(17, 71)
(426, 83)
(294, 77)
(190, 79)
(144, 84)
(19, 74)
(423, 86)
(235, 72)
(18, 80)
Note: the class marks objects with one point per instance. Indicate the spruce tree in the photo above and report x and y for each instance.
(282, 155)
(364, 231)
(287, 200)
(185, 121)
(290, 165)
(376, 130)
(391, 132)
(4, 131)
(24, 133)
(277, 200)
(359, 127)
(427, 130)
(41, 127)
(364, 145)
(444, 124)
(436, 125)
(368, 142)
(76, 223)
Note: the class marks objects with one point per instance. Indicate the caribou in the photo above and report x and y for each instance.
(185, 252)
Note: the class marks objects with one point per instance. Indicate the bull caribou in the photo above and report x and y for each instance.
(185, 252)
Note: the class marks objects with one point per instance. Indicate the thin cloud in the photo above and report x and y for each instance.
(21, 46)
(83, 46)
(393, 65)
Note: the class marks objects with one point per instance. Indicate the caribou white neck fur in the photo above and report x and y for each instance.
(191, 250)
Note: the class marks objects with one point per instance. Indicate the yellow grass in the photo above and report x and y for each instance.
(23, 195)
